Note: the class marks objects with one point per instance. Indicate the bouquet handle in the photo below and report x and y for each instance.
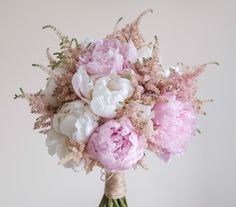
(115, 189)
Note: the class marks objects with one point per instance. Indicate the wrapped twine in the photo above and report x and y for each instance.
(115, 185)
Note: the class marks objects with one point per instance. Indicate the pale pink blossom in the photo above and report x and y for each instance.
(116, 145)
(106, 56)
(175, 123)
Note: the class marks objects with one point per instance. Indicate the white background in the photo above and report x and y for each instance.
(192, 32)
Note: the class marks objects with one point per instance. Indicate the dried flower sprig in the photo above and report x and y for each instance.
(21, 95)
(69, 51)
(131, 31)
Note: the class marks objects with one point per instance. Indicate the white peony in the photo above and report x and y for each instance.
(76, 121)
(51, 87)
(144, 52)
(105, 94)
(108, 94)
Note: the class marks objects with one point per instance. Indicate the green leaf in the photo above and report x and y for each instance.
(116, 203)
(110, 202)
(122, 202)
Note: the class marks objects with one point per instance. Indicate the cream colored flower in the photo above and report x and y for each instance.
(76, 121)
(105, 94)
(108, 94)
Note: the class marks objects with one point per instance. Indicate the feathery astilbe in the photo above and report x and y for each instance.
(69, 53)
(139, 117)
(184, 86)
(39, 105)
(147, 78)
(64, 91)
(131, 32)
(75, 155)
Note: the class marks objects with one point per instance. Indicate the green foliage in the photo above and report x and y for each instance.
(109, 202)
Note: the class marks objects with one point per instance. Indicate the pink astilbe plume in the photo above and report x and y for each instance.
(141, 118)
(64, 90)
(40, 106)
(184, 86)
(146, 78)
(131, 32)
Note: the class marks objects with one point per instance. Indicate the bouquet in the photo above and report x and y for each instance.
(108, 101)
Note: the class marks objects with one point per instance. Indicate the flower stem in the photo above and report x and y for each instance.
(114, 195)
(109, 202)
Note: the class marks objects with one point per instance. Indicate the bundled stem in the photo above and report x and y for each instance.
(109, 202)
(114, 195)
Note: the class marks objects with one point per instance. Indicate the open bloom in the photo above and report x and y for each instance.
(104, 95)
(108, 55)
(116, 145)
(175, 122)
(108, 94)
(76, 121)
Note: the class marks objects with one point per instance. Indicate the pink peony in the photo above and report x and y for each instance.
(109, 55)
(175, 122)
(116, 145)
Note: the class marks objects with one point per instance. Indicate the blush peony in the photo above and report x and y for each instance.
(116, 145)
(108, 56)
(175, 122)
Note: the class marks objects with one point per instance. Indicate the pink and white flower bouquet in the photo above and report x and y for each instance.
(108, 101)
